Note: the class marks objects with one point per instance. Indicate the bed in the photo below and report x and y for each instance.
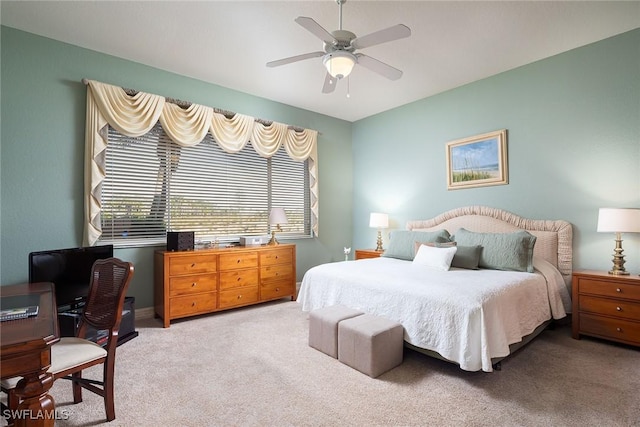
(470, 314)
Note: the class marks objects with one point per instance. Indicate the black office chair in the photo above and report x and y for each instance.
(71, 355)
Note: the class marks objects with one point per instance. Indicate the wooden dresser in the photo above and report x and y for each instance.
(367, 253)
(202, 281)
(606, 306)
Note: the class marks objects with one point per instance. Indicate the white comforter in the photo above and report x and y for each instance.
(467, 316)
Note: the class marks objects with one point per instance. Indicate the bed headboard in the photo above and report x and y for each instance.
(554, 238)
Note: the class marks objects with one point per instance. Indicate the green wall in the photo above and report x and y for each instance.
(573, 125)
(42, 152)
(574, 146)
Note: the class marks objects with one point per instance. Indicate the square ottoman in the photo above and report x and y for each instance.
(323, 327)
(371, 344)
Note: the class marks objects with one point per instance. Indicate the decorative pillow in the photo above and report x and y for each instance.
(501, 251)
(401, 242)
(435, 258)
(465, 257)
(416, 245)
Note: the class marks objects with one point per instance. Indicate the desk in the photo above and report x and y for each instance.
(25, 350)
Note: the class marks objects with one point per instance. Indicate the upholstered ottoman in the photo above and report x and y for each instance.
(371, 344)
(323, 327)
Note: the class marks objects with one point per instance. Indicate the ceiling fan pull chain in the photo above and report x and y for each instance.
(348, 87)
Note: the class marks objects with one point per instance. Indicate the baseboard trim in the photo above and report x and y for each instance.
(144, 313)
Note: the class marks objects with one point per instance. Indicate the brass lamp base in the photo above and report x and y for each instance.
(619, 273)
(618, 259)
(379, 243)
(273, 240)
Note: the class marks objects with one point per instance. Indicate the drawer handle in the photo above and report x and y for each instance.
(618, 290)
(618, 308)
(239, 278)
(238, 261)
(193, 284)
(619, 329)
(277, 289)
(193, 304)
(276, 256)
(193, 265)
(239, 296)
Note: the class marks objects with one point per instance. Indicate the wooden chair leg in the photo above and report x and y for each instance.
(109, 403)
(12, 404)
(77, 388)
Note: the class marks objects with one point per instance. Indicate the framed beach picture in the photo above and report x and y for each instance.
(477, 161)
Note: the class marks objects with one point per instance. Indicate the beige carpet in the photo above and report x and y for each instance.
(253, 367)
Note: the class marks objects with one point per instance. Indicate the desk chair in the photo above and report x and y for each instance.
(71, 355)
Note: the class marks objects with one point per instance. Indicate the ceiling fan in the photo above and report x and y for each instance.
(339, 55)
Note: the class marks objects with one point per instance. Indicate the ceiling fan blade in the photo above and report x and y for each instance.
(314, 28)
(294, 59)
(379, 67)
(330, 84)
(388, 34)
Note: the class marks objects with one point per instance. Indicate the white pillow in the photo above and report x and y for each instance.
(435, 258)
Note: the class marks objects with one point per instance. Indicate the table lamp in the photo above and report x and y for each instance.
(277, 216)
(379, 221)
(618, 221)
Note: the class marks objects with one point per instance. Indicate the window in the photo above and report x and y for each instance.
(152, 185)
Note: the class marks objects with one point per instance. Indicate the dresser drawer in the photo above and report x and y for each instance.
(238, 260)
(276, 256)
(238, 278)
(276, 273)
(609, 289)
(192, 264)
(610, 328)
(193, 304)
(276, 290)
(610, 307)
(183, 285)
(240, 296)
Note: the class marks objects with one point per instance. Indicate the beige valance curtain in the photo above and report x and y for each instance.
(135, 115)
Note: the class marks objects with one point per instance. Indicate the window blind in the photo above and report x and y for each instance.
(153, 185)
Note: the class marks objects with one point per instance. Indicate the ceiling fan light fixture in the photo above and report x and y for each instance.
(339, 63)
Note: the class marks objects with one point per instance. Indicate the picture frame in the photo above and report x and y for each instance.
(477, 161)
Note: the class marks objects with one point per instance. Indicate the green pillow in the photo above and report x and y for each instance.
(467, 257)
(401, 242)
(501, 251)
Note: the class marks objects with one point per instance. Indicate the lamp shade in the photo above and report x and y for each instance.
(618, 220)
(379, 220)
(339, 64)
(277, 216)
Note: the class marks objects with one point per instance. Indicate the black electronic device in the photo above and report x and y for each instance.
(180, 240)
(69, 322)
(69, 269)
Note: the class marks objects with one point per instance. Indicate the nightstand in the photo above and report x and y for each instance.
(367, 253)
(606, 306)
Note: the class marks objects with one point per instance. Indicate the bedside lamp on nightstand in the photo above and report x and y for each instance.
(379, 221)
(618, 221)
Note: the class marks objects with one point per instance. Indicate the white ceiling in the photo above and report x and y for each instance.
(228, 43)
